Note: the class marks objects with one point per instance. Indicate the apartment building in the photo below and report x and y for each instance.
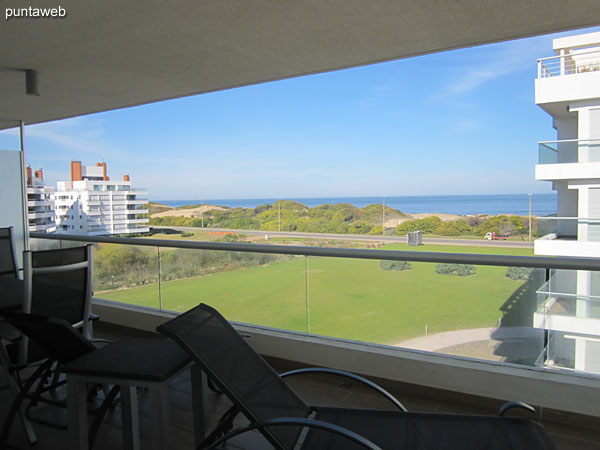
(91, 204)
(40, 202)
(568, 88)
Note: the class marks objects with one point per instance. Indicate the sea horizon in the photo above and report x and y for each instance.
(462, 205)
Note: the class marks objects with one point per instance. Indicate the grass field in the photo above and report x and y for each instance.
(347, 298)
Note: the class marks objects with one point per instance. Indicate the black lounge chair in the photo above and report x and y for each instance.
(274, 409)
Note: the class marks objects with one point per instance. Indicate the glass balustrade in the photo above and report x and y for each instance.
(515, 315)
(570, 228)
(569, 151)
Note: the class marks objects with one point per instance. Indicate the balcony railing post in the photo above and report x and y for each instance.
(562, 61)
(159, 277)
(306, 312)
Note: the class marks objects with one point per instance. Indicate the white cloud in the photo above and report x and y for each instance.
(498, 61)
(81, 135)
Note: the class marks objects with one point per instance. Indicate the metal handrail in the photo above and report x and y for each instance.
(568, 140)
(539, 262)
(586, 219)
(590, 52)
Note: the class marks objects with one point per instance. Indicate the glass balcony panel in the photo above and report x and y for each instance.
(569, 308)
(482, 312)
(255, 288)
(569, 151)
(570, 228)
(127, 274)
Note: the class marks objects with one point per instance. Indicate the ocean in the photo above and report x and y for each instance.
(518, 204)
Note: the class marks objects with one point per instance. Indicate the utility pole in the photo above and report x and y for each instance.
(279, 213)
(530, 231)
(383, 218)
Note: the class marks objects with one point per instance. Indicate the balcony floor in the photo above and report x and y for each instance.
(569, 432)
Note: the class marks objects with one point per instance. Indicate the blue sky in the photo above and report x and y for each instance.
(458, 122)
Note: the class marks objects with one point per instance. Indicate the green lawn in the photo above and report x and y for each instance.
(348, 298)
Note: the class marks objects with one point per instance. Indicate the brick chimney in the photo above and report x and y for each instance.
(126, 177)
(39, 174)
(103, 165)
(29, 177)
(76, 171)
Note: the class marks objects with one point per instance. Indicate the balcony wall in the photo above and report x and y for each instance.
(567, 88)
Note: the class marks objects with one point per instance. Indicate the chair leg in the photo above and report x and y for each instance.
(37, 397)
(16, 405)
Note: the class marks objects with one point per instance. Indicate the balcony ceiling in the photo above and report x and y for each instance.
(111, 54)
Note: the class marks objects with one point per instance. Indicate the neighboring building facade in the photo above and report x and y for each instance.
(92, 204)
(568, 88)
(40, 202)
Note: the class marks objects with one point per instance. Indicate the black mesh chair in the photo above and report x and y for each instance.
(62, 344)
(274, 409)
(58, 283)
(8, 260)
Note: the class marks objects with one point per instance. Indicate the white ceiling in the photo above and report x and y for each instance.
(108, 54)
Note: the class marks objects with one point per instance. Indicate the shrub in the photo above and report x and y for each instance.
(395, 265)
(456, 228)
(461, 270)
(426, 225)
(519, 273)
(186, 234)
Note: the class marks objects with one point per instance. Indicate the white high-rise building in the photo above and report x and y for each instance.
(40, 202)
(568, 88)
(92, 204)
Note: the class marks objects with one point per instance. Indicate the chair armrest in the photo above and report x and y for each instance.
(309, 423)
(352, 376)
(510, 405)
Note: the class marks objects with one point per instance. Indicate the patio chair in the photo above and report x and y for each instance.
(58, 283)
(274, 409)
(8, 255)
(62, 344)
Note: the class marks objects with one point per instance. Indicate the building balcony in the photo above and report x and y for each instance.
(342, 308)
(130, 221)
(568, 236)
(40, 214)
(568, 159)
(40, 203)
(569, 77)
(568, 432)
(42, 227)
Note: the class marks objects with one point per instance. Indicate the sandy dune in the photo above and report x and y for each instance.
(443, 217)
(192, 212)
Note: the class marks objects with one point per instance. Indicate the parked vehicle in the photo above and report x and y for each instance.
(491, 236)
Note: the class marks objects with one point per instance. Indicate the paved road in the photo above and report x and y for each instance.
(368, 238)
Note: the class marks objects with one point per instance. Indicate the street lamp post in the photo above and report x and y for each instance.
(383, 218)
(530, 233)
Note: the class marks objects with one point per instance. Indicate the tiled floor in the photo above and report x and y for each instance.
(568, 432)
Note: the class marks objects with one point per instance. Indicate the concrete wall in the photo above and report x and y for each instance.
(11, 200)
(550, 388)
